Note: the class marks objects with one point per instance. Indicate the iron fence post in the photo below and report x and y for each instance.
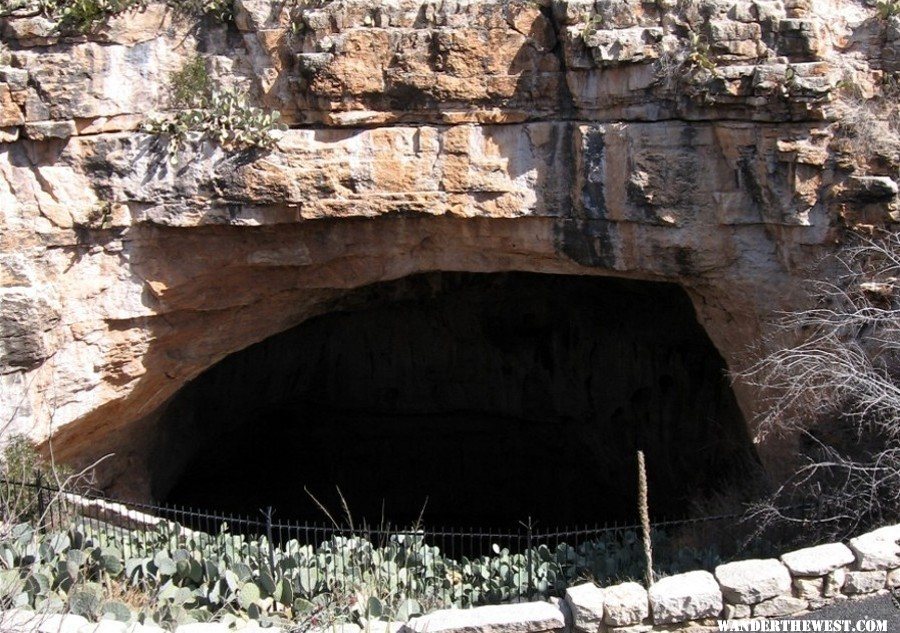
(269, 513)
(39, 491)
(528, 537)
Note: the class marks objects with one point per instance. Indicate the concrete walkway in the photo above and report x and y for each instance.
(877, 608)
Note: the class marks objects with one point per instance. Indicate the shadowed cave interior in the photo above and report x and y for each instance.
(492, 396)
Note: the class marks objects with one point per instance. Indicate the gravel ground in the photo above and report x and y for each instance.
(876, 608)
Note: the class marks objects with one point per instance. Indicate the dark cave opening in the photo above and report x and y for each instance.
(482, 398)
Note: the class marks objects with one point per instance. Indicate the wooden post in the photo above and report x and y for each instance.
(644, 511)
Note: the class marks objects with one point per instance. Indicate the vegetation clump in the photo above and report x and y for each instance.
(836, 386)
(206, 112)
(888, 8)
(86, 15)
(97, 568)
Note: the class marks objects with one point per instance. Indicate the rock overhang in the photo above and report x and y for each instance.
(481, 136)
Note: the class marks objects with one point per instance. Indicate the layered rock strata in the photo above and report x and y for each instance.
(703, 143)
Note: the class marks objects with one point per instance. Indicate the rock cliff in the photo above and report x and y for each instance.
(724, 145)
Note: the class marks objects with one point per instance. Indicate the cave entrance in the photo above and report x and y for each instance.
(492, 396)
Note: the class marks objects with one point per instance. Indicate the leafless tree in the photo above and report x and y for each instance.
(836, 388)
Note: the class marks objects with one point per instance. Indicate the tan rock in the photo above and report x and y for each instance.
(477, 136)
(513, 618)
(779, 606)
(859, 582)
(625, 604)
(752, 581)
(808, 588)
(10, 113)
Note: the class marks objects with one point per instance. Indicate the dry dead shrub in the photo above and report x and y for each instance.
(833, 380)
(871, 125)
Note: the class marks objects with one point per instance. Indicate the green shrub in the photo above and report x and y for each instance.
(888, 8)
(205, 112)
(192, 85)
(85, 15)
(225, 117)
(21, 466)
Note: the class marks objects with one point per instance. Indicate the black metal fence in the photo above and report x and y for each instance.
(436, 566)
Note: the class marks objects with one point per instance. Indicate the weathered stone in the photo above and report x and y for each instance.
(752, 581)
(20, 621)
(10, 113)
(25, 316)
(809, 588)
(867, 189)
(625, 604)
(779, 606)
(44, 130)
(736, 611)
(151, 628)
(878, 549)
(526, 617)
(610, 47)
(202, 627)
(585, 601)
(818, 560)
(340, 627)
(893, 579)
(859, 582)
(834, 583)
(383, 626)
(684, 597)
(15, 78)
(451, 128)
(108, 626)
(635, 628)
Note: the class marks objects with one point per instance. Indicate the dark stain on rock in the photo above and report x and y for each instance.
(593, 197)
(588, 243)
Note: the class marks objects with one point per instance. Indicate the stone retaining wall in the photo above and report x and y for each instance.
(798, 581)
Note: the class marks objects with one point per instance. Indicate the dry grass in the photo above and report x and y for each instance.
(872, 126)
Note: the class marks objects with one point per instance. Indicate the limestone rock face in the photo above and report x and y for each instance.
(566, 137)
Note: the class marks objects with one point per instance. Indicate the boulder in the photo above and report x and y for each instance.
(381, 626)
(691, 596)
(625, 604)
(736, 611)
(818, 560)
(809, 588)
(779, 606)
(834, 583)
(752, 581)
(860, 582)
(340, 627)
(107, 626)
(877, 549)
(893, 579)
(202, 627)
(867, 189)
(526, 617)
(585, 601)
(21, 621)
(44, 130)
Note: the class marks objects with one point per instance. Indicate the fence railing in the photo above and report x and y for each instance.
(435, 566)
